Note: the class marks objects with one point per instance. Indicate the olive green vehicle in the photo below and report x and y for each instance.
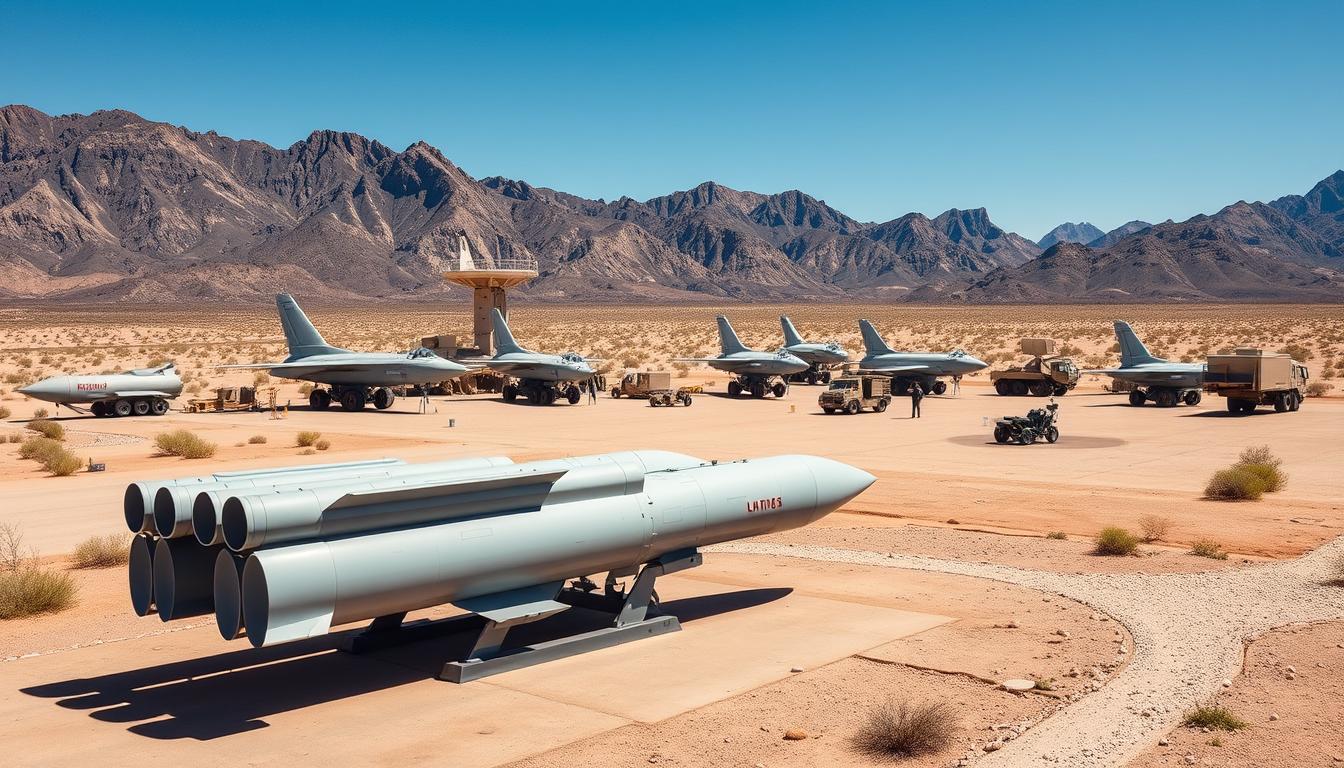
(851, 394)
(1045, 375)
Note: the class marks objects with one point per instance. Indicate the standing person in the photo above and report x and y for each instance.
(956, 385)
(916, 394)
(592, 390)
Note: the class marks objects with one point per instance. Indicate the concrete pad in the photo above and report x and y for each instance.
(715, 656)
(305, 703)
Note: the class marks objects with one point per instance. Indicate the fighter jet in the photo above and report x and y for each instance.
(141, 391)
(755, 372)
(1153, 378)
(542, 378)
(906, 368)
(352, 378)
(819, 357)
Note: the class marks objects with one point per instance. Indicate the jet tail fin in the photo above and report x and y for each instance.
(302, 338)
(728, 341)
(504, 342)
(872, 340)
(1132, 351)
(791, 336)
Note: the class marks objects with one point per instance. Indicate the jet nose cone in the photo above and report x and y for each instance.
(837, 483)
(974, 363)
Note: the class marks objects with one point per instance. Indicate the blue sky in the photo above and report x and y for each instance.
(1041, 112)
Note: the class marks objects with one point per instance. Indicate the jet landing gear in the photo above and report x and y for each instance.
(351, 398)
(816, 373)
(542, 392)
(1165, 397)
(758, 386)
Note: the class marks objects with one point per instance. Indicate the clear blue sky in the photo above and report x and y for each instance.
(1041, 112)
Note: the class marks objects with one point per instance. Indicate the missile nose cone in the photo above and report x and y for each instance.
(837, 482)
(45, 388)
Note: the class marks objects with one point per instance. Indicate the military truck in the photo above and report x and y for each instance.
(851, 394)
(1043, 376)
(641, 383)
(1252, 377)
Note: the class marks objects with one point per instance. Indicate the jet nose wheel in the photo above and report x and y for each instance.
(572, 395)
(734, 389)
(780, 389)
(383, 398)
(939, 387)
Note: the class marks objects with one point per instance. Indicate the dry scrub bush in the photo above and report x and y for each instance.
(1057, 535)
(62, 463)
(256, 440)
(4, 412)
(322, 445)
(40, 413)
(1114, 540)
(902, 730)
(101, 552)
(1235, 484)
(36, 448)
(1318, 388)
(1213, 716)
(32, 589)
(14, 437)
(1260, 460)
(1208, 548)
(307, 438)
(1154, 527)
(47, 428)
(13, 552)
(181, 442)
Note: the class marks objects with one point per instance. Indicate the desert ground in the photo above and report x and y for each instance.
(966, 564)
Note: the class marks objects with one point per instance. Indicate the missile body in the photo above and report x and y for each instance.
(302, 590)
(138, 501)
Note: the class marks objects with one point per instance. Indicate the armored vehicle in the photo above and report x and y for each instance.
(1025, 430)
(851, 394)
(641, 383)
(1045, 375)
(1251, 377)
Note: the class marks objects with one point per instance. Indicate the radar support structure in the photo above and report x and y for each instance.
(488, 277)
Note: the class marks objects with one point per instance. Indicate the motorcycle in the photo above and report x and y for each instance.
(1039, 423)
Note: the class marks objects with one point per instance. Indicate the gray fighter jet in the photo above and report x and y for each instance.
(818, 356)
(755, 372)
(1165, 383)
(352, 378)
(139, 392)
(542, 378)
(906, 368)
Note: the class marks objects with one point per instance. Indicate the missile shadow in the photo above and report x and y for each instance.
(233, 692)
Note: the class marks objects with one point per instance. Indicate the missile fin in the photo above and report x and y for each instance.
(517, 606)
(541, 480)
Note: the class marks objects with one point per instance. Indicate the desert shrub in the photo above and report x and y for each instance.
(260, 377)
(47, 428)
(1298, 352)
(61, 462)
(1208, 548)
(896, 730)
(307, 438)
(32, 589)
(1318, 388)
(101, 551)
(306, 389)
(1261, 461)
(1057, 535)
(38, 448)
(14, 437)
(1114, 540)
(1214, 716)
(1235, 484)
(322, 445)
(13, 552)
(40, 413)
(181, 442)
(307, 452)
(1154, 527)
(256, 440)
(4, 412)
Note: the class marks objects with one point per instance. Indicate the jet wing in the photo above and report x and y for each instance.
(316, 364)
(1107, 371)
(897, 368)
(696, 360)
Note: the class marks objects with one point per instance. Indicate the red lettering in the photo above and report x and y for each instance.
(757, 505)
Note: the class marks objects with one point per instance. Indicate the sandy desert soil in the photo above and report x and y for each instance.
(890, 588)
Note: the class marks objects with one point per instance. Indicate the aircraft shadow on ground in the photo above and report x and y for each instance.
(230, 693)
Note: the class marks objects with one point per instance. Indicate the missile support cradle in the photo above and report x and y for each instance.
(292, 552)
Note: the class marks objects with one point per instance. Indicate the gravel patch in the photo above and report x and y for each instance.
(1188, 630)
(100, 439)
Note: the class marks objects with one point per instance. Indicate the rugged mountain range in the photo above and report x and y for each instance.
(110, 206)
(1119, 233)
(1068, 232)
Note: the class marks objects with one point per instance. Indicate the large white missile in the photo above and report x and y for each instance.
(262, 519)
(138, 501)
(302, 590)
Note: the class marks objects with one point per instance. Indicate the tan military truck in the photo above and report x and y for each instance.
(851, 394)
(1044, 375)
(641, 383)
(1251, 377)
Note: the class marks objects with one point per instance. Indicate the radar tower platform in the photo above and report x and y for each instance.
(488, 277)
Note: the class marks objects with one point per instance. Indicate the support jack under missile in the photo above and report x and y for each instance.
(634, 615)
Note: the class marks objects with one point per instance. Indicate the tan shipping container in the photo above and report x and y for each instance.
(1038, 347)
(1252, 370)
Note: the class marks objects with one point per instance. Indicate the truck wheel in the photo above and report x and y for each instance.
(353, 400)
(572, 394)
(1041, 388)
(734, 389)
(1296, 401)
(881, 406)
(812, 377)
(1061, 390)
(825, 377)
(319, 399)
(383, 398)
(686, 399)
(98, 409)
(615, 392)
(510, 393)
(780, 389)
(1193, 397)
(140, 407)
(1001, 386)
(852, 407)
(1233, 405)
(1137, 398)
(939, 387)
(1280, 403)
(829, 411)
(158, 406)
(1051, 434)
(1000, 435)
(122, 408)
(1018, 387)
